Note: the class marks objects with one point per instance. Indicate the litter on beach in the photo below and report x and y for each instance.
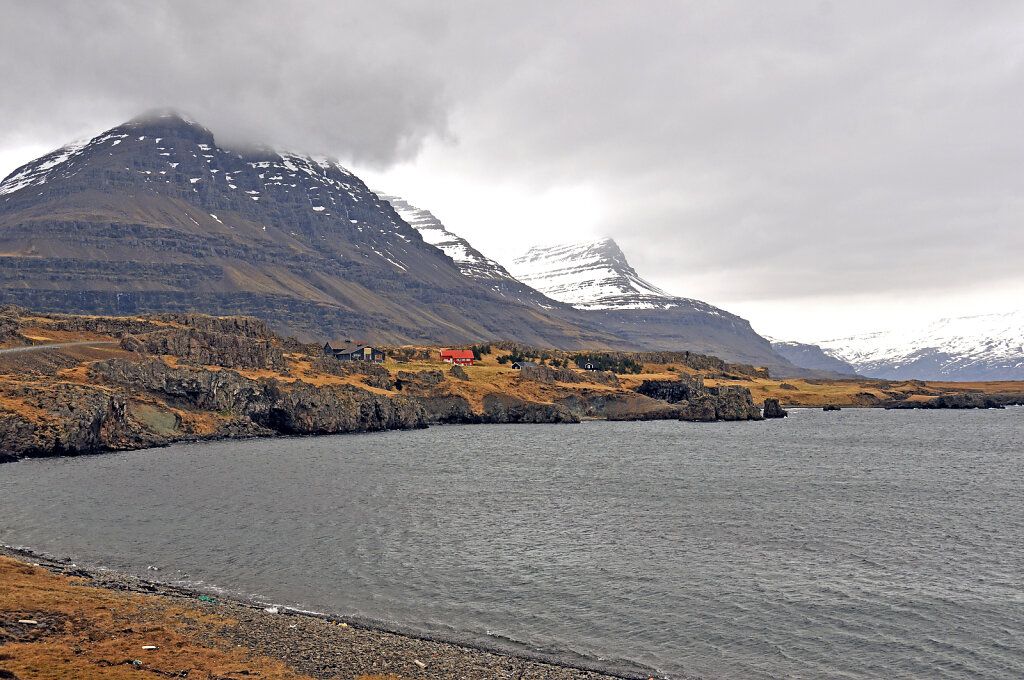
(29, 622)
(419, 663)
(272, 610)
(149, 646)
(204, 598)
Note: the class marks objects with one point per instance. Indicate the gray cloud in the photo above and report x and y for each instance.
(814, 147)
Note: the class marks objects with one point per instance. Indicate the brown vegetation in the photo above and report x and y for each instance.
(83, 632)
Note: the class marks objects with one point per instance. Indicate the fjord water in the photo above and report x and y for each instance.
(857, 544)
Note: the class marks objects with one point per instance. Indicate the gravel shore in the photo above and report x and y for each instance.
(325, 647)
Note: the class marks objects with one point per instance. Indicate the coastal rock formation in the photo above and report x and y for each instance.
(300, 408)
(700, 408)
(697, 402)
(772, 409)
(66, 419)
(591, 403)
(450, 409)
(672, 391)
(961, 401)
(506, 408)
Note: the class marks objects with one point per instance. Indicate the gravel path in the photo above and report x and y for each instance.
(329, 648)
(36, 348)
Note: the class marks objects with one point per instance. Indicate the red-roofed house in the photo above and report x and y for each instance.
(461, 357)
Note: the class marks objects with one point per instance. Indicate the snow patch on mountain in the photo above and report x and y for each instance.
(594, 275)
(983, 347)
(38, 171)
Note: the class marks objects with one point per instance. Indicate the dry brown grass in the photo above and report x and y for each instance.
(89, 633)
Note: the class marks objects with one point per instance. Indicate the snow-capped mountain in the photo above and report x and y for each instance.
(154, 216)
(594, 275)
(470, 261)
(984, 347)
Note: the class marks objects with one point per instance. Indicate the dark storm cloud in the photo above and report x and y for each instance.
(812, 146)
(308, 75)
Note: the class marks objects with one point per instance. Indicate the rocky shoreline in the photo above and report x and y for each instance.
(318, 646)
(158, 379)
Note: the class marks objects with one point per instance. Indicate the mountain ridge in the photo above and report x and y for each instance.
(977, 347)
(153, 216)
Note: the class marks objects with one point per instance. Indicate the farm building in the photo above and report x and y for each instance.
(459, 357)
(519, 365)
(353, 351)
(587, 364)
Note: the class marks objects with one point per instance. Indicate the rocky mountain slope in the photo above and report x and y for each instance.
(154, 216)
(983, 347)
(811, 356)
(470, 261)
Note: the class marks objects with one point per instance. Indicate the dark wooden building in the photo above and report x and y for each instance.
(353, 351)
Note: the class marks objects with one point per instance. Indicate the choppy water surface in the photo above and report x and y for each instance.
(857, 544)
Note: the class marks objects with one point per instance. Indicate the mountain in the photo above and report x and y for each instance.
(154, 216)
(811, 356)
(596, 278)
(470, 261)
(984, 347)
(593, 275)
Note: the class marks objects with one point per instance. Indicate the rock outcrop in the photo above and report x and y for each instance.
(506, 408)
(208, 348)
(961, 401)
(672, 391)
(66, 420)
(421, 380)
(696, 402)
(550, 376)
(772, 409)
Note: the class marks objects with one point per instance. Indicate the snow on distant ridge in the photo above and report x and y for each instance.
(470, 261)
(987, 346)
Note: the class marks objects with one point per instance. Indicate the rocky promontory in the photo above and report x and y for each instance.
(697, 402)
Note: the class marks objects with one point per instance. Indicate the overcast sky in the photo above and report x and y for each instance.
(816, 167)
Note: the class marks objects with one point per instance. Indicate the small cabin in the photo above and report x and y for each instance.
(353, 351)
(586, 364)
(520, 365)
(457, 357)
